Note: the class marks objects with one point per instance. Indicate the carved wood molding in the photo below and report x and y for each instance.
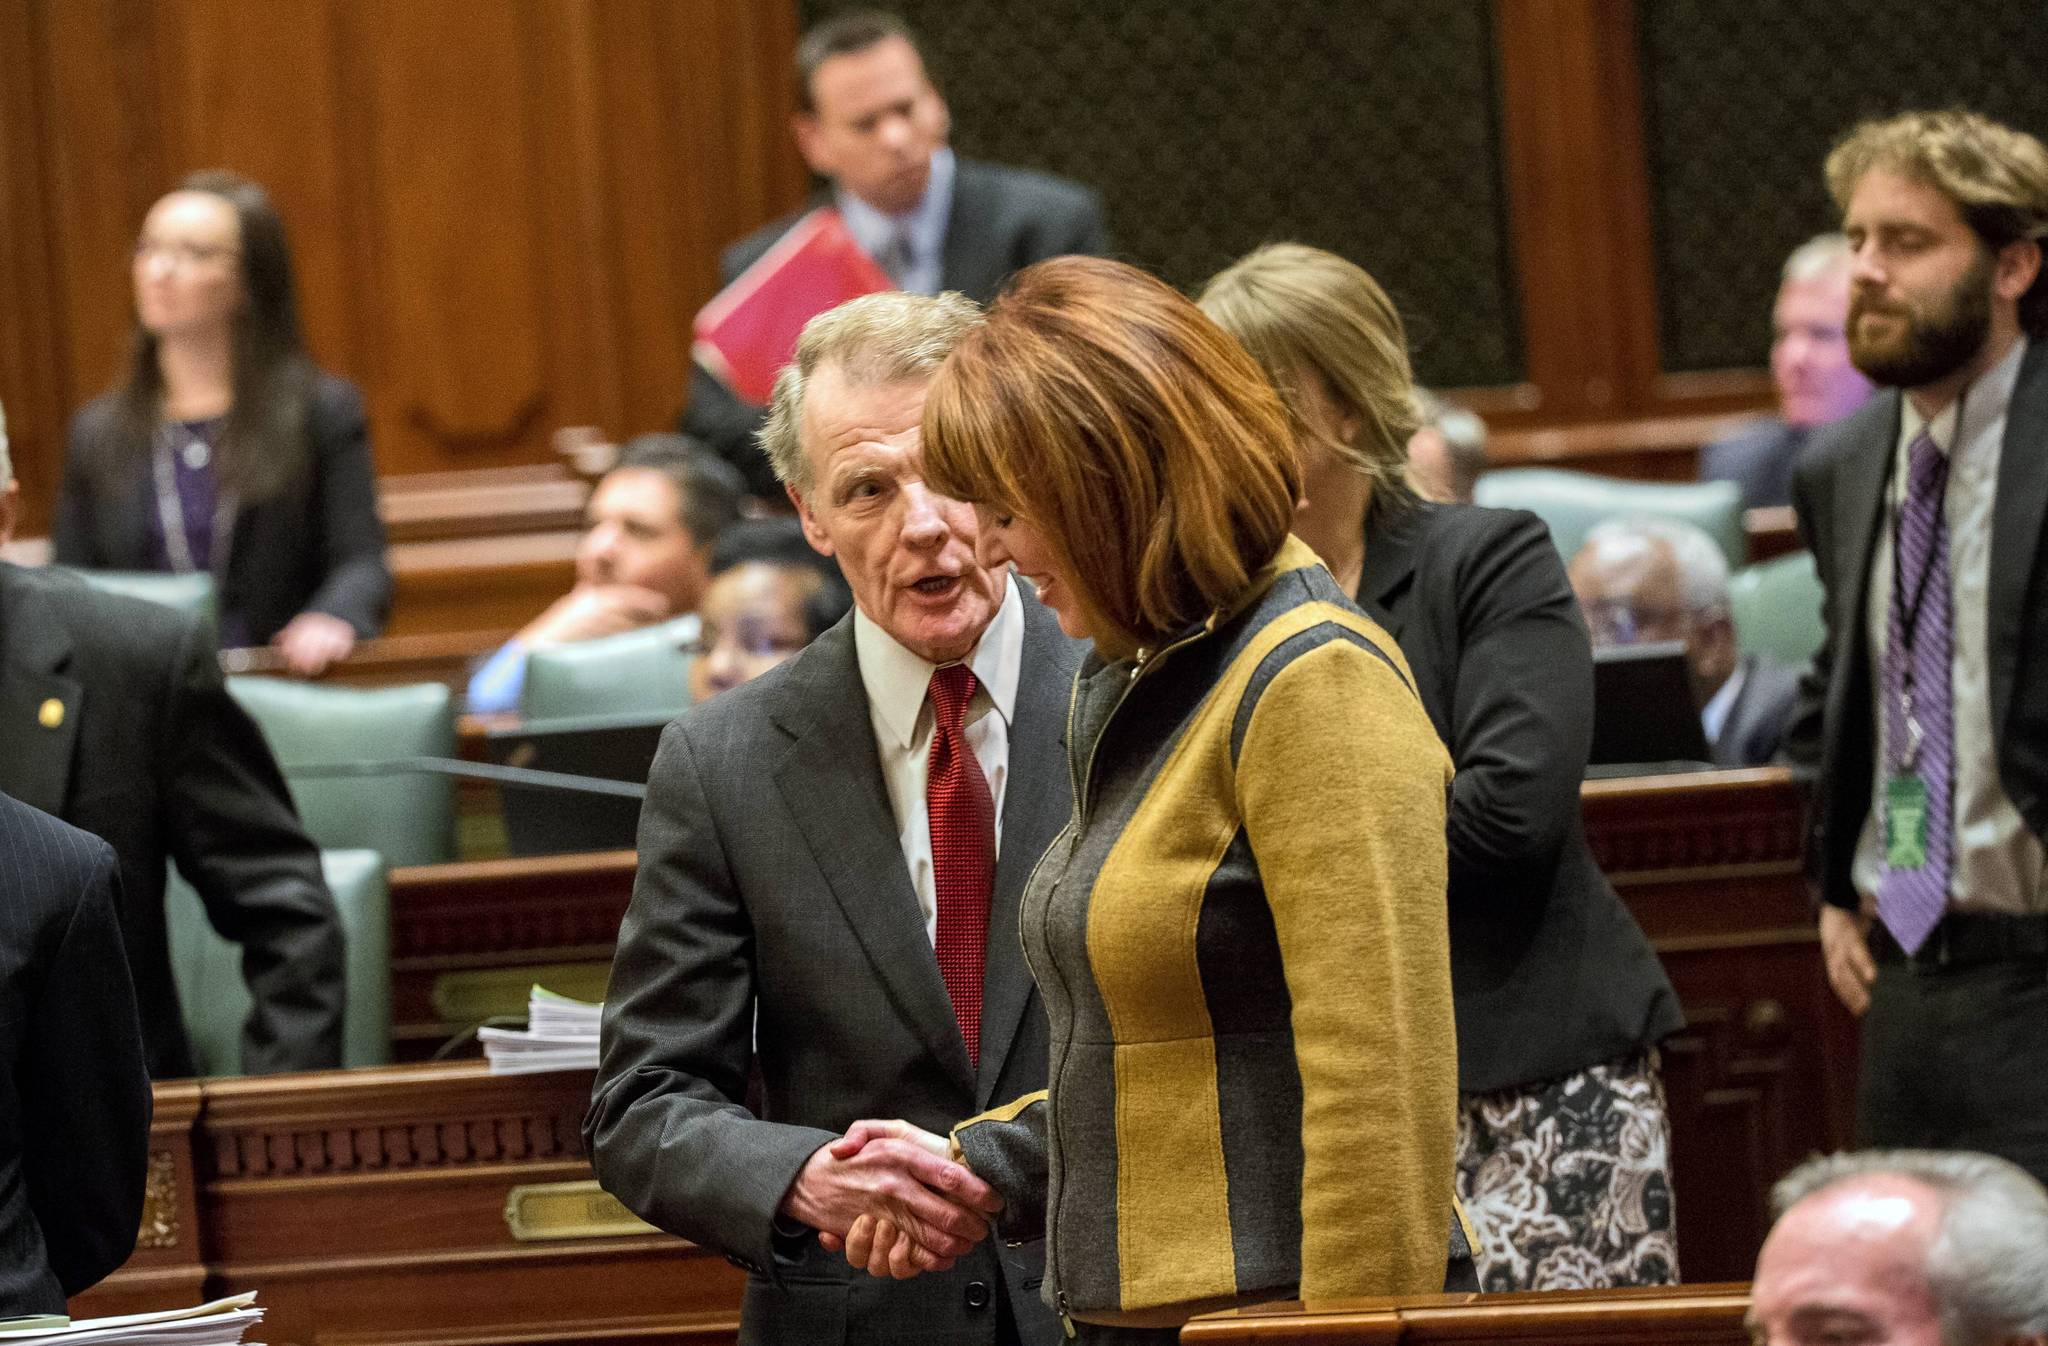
(1744, 822)
(160, 1206)
(394, 1120)
(489, 907)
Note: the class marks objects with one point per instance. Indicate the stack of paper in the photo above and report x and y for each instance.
(220, 1323)
(560, 1034)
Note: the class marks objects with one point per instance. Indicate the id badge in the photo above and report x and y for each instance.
(1905, 822)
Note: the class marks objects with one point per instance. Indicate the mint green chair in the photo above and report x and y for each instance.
(1777, 608)
(407, 816)
(214, 1000)
(191, 592)
(644, 672)
(1572, 502)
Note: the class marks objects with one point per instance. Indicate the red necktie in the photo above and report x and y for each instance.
(962, 818)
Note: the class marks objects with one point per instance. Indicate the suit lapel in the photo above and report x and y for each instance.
(1859, 506)
(969, 261)
(832, 782)
(1034, 809)
(39, 706)
(1387, 578)
(2022, 495)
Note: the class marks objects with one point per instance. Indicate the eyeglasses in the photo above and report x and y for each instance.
(1617, 621)
(183, 255)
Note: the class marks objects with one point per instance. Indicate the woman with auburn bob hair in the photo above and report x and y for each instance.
(1563, 1139)
(1239, 937)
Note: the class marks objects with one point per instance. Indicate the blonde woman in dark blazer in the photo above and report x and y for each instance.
(1563, 1137)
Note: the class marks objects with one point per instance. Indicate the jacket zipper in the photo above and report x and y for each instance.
(1078, 781)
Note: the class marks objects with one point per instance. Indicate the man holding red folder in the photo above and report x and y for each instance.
(875, 128)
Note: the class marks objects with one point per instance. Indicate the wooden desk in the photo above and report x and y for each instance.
(1703, 1315)
(1763, 1075)
(370, 1207)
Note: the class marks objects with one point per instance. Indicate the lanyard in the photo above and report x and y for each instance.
(170, 510)
(1908, 613)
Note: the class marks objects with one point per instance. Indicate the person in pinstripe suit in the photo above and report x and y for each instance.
(74, 1095)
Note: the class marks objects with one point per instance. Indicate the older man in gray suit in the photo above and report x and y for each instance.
(831, 859)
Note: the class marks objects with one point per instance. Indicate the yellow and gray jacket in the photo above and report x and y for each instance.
(1240, 941)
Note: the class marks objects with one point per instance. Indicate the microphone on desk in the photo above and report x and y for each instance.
(485, 771)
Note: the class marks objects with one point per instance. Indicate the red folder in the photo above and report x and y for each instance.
(748, 332)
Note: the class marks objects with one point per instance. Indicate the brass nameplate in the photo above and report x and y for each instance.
(569, 1210)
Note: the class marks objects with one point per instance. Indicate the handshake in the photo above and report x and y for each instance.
(890, 1196)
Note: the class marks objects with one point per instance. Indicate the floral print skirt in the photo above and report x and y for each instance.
(1568, 1182)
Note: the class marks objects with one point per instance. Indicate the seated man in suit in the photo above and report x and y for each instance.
(114, 717)
(1916, 1247)
(831, 860)
(74, 1094)
(645, 556)
(873, 125)
(1810, 365)
(1642, 580)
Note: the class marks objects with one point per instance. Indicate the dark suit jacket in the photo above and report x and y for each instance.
(1003, 219)
(114, 717)
(1759, 458)
(1839, 493)
(1754, 731)
(773, 923)
(1549, 972)
(74, 1096)
(318, 546)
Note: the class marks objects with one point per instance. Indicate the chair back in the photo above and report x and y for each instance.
(189, 592)
(408, 816)
(1777, 608)
(644, 672)
(1572, 502)
(214, 1000)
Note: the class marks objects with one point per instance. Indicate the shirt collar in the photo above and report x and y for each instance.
(896, 679)
(1714, 715)
(1984, 401)
(924, 223)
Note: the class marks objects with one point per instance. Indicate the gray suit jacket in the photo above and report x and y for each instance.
(114, 717)
(1003, 219)
(1759, 458)
(1755, 728)
(773, 925)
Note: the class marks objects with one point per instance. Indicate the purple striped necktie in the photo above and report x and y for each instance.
(1911, 902)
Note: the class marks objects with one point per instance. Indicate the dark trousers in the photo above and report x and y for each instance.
(1955, 1057)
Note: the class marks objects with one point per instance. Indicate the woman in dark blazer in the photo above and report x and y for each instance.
(1560, 1001)
(224, 449)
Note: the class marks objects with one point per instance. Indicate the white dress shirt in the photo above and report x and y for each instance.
(1714, 715)
(896, 681)
(1998, 866)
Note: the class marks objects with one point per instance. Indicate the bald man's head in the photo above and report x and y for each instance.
(1913, 1247)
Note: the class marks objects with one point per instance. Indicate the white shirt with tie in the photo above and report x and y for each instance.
(896, 681)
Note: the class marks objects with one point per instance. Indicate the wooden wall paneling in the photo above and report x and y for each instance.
(452, 118)
(695, 100)
(261, 91)
(31, 355)
(1579, 212)
(108, 129)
